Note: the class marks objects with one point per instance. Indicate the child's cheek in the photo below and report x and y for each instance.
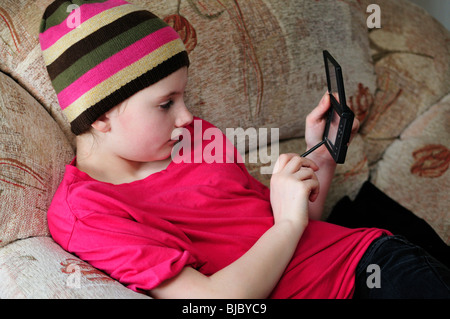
(127, 121)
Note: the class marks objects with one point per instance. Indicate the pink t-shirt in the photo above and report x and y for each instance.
(203, 215)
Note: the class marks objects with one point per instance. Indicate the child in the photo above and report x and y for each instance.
(184, 229)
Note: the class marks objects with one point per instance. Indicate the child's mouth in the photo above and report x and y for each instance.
(176, 136)
(176, 139)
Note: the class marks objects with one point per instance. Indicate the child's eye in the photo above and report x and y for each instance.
(166, 105)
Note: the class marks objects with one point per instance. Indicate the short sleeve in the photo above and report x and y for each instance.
(137, 255)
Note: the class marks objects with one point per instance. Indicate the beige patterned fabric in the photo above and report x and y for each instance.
(38, 268)
(33, 151)
(421, 156)
(411, 54)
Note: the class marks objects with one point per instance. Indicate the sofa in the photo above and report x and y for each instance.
(254, 64)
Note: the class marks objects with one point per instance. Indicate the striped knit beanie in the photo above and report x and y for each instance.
(99, 53)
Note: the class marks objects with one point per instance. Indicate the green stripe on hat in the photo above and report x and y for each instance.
(57, 12)
(80, 60)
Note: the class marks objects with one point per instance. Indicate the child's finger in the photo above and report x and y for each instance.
(281, 162)
(292, 162)
(355, 129)
(296, 163)
(306, 162)
(314, 194)
(305, 173)
(314, 188)
(355, 126)
(318, 113)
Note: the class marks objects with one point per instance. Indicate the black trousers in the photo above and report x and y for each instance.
(394, 268)
(373, 208)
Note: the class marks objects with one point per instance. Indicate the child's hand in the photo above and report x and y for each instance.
(292, 186)
(315, 126)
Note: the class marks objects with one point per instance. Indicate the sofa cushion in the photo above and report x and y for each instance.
(267, 70)
(33, 151)
(39, 268)
(415, 171)
(412, 62)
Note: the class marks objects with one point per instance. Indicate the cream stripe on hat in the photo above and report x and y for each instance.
(85, 29)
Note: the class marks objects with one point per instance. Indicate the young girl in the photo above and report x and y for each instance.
(192, 229)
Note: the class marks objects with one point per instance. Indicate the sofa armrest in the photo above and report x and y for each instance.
(39, 268)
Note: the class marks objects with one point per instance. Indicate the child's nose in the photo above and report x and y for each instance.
(184, 117)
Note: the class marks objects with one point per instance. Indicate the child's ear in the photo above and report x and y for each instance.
(102, 124)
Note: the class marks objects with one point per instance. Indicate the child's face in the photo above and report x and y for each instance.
(141, 128)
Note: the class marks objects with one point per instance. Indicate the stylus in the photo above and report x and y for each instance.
(312, 149)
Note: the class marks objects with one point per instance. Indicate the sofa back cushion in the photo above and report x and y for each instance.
(412, 62)
(254, 63)
(33, 151)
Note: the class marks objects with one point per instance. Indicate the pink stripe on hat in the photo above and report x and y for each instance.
(114, 64)
(53, 34)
